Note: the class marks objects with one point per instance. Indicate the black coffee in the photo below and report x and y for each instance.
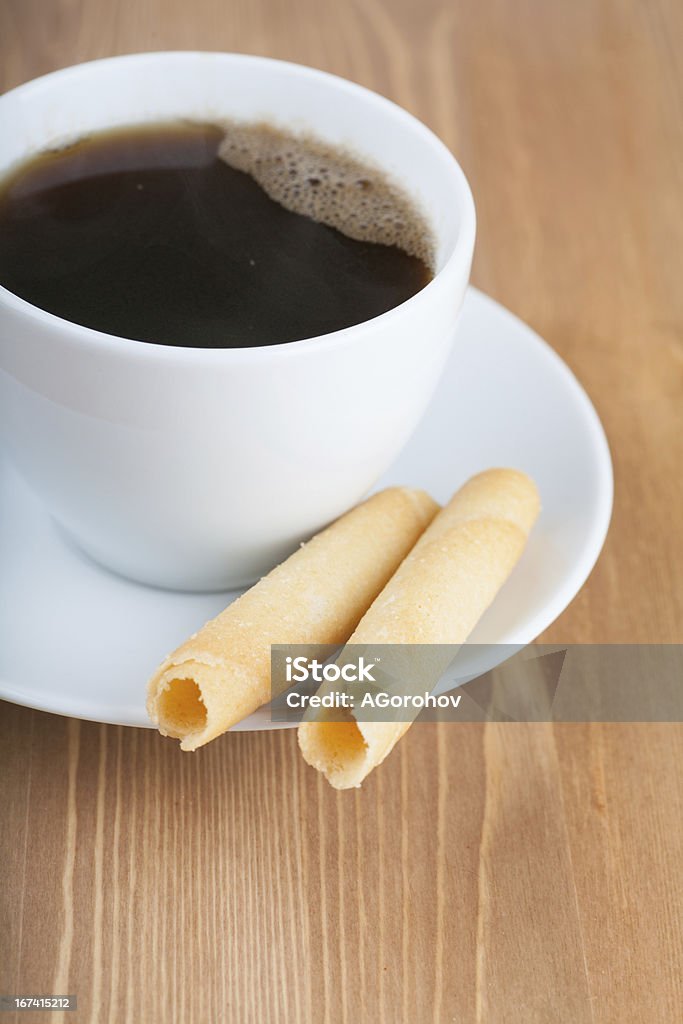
(150, 234)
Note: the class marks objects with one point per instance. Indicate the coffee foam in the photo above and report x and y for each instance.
(329, 185)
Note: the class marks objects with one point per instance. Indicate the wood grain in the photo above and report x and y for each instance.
(486, 874)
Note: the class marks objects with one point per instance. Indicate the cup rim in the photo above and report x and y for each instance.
(463, 244)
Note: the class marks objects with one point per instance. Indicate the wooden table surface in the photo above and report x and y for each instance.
(501, 873)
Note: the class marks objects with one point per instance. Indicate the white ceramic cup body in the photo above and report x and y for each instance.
(201, 468)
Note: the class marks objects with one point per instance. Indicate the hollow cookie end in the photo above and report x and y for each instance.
(176, 706)
(338, 750)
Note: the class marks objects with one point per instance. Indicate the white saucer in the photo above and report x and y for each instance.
(76, 640)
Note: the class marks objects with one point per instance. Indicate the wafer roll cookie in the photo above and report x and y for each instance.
(437, 596)
(222, 673)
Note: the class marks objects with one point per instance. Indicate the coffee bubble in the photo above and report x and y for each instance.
(329, 185)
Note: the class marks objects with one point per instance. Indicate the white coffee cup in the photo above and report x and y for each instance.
(199, 469)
